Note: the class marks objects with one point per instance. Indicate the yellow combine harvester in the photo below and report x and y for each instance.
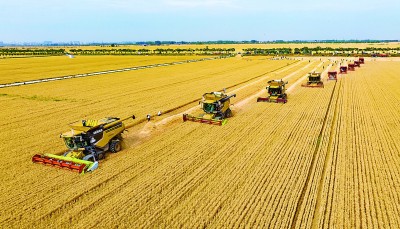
(276, 91)
(216, 108)
(87, 143)
(314, 80)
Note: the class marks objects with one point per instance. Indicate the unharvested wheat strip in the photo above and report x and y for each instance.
(281, 190)
(386, 147)
(246, 192)
(203, 207)
(271, 172)
(358, 161)
(379, 148)
(360, 118)
(372, 173)
(339, 176)
(239, 211)
(305, 150)
(360, 151)
(376, 145)
(227, 191)
(269, 158)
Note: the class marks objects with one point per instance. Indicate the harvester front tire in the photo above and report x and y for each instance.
(115, 146)
(228, 113)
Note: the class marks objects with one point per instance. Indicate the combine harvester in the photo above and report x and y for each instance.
(343, 69)
(356, 63)
(276, 91)
(361, 60)
(351, 67)
(314, 80)
(216, 108)
(87, 143)
(332, 75)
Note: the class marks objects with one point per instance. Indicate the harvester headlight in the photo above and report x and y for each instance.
(92, 140)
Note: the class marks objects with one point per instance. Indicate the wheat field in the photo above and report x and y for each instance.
(329, 158)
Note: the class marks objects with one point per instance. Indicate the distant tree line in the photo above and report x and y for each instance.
(321, 51)
(31, 52)
(158, 51)
(117, 51)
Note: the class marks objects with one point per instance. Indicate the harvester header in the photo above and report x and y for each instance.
(87, 143)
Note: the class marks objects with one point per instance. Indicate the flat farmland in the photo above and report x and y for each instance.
(327, 158)
(21, 69)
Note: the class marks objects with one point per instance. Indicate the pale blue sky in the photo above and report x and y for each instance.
(197, 20)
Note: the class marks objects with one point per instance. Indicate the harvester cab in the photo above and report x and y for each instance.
(216, 106)
(332, 75)
(87, 143)
(361, 60)
(356, 63)
(343, 69)
(276, 90)
(314, 80)
(351, 67)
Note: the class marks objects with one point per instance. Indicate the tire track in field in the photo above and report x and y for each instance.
(313, 160)
(328, 158)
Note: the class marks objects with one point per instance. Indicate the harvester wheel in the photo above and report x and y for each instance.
(115, 146)
(228, 113)
(101, 156)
